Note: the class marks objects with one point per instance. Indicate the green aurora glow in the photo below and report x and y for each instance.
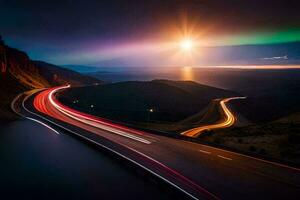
(267, 37)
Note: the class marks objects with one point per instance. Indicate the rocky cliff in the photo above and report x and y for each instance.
(18, 73)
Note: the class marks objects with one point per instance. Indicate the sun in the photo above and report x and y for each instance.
(186, 44)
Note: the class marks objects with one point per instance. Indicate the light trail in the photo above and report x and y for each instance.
(153, 166)
(228, 121)
(13, 107)
(82, 117)
(156, 164)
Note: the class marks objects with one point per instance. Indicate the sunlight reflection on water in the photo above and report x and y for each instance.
(187, 73)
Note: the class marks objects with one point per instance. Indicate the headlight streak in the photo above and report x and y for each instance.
(158, 169)
(92, 121)
(145, 165)
(229, 120)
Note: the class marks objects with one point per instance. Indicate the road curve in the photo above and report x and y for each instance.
(228, 121)
(199, 171)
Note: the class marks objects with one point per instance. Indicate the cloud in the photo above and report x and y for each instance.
(277, 58)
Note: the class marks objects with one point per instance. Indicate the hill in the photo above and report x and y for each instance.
(81, 68)
(130, 102)
(56, 75)
(271, 93)
(270, 96)
(19, 73)
(196, 89)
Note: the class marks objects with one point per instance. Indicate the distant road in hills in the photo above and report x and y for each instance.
(228, 120)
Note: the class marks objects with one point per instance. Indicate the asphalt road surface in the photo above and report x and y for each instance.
(38, 164)
(198, 171)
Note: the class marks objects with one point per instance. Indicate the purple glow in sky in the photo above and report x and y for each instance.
(135, 32)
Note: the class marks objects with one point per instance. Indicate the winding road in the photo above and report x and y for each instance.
(198, 171)
(228, 121)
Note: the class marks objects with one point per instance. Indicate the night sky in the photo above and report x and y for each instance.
(89, 32)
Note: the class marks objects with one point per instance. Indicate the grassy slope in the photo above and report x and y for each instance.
(279, 139)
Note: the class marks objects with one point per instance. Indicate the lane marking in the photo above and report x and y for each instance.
(254, 158)
(212, 196)
(202, 151)
(226, 158)
(42, 123)
(245, 156)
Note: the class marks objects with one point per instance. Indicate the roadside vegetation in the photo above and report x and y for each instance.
(279, 139)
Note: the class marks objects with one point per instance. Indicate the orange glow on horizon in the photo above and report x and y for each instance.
(187, 73)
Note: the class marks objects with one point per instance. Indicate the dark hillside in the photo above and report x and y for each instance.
(57, 75)
(131, 101)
